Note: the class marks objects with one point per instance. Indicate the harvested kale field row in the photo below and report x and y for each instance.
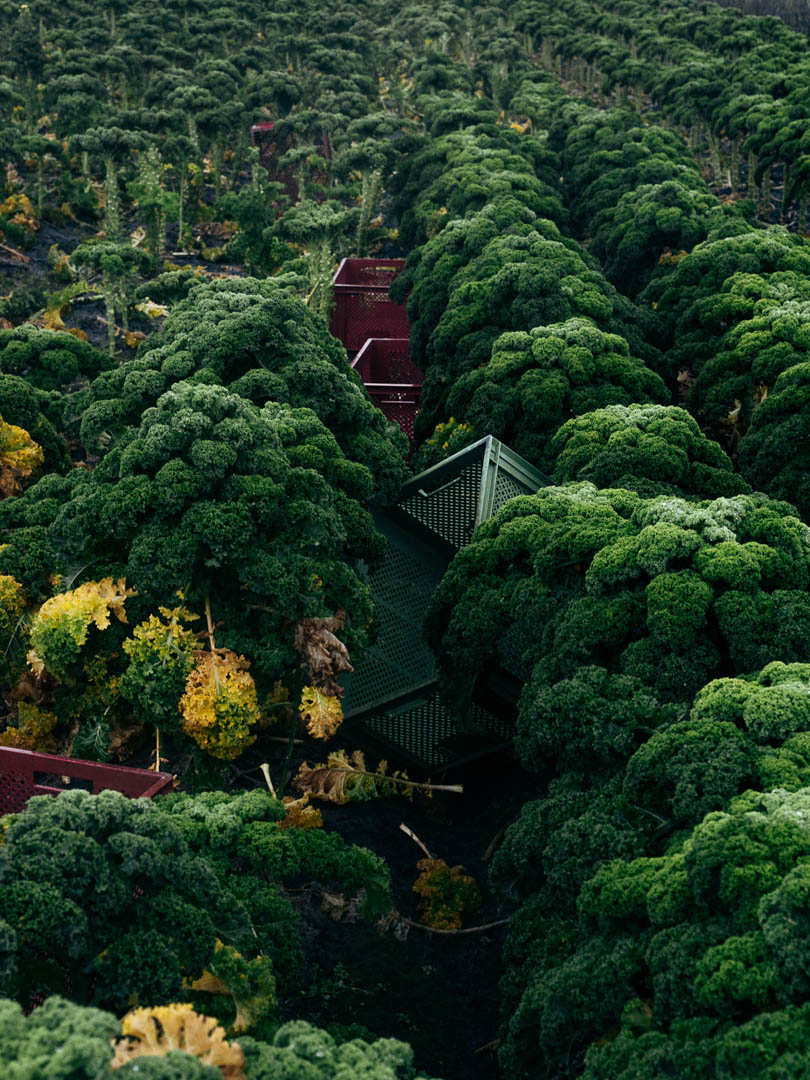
(404, 541)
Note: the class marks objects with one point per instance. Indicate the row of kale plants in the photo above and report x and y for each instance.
(737, 83)
(204, 572)
(656, 601)
(187, 529)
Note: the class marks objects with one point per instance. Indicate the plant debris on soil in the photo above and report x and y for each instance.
(435, 990)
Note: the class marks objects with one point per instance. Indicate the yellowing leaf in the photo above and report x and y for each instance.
(60, 627)
(52, 319)
(133, 337)
(343, 779)
(249, 983)
(19, 456)
(36, 663)
(154, 1032)
(33, 731)
(300, 815)
(446, 894)
(19, 209)
(151, 309)
(209, 984)
(59, 261)
(320, 711)
(219, 706)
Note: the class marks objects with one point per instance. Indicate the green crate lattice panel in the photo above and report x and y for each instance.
(450, 511)
(400, 657)
(393, 691)
(448, 501)
(506, 488)
(419, 728)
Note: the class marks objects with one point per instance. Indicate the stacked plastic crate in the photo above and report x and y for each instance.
(375, 331)
(24, 773)
(393, 381)
(394, 690)
(362, 308)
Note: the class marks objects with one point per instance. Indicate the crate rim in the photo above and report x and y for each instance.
(32, 761)
(369, 343)
(393, 264)
(494, 452)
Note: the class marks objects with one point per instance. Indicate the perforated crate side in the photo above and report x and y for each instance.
(387, 361)
(402, 410)
(506, 488)
(395, 363)
(423, 730)
(399, 658)
(19, 770)
(360, 313)
(449, 511)
(449, 500)
(16, 788)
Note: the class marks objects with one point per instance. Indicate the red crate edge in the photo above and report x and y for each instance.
(18, 769)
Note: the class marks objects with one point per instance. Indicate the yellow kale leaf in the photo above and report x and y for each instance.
(60, 627)
(300, 815)
(219, 706)
(33, 731)
(19, 456)
(12, 601)
(154, 1032)
(249, 983)
(163, 642)
(320, 711)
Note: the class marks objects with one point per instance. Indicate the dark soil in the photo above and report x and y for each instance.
(87, 313)
(437, 991)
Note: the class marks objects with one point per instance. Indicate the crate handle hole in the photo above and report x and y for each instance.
(68, 783)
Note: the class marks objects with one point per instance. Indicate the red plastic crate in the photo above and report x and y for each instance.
(393, 381)
(362, 308)
(259, 130)
(273, 142)
(19, 770)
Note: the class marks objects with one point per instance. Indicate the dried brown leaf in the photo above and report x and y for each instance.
(345, 778)
(322, 651)
(323, 782)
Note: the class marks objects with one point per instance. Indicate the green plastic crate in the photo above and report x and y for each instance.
(393, 691)
(400, 658)
(445, 504)
(422, 728)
